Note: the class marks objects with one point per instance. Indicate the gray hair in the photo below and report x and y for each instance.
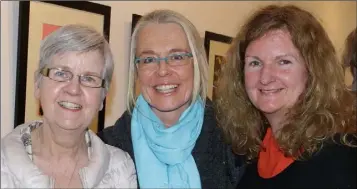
(76, 38)
(200, 64)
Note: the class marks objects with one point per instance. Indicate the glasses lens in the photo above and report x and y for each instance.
(91, 81)
(179, 59)
(60, 75)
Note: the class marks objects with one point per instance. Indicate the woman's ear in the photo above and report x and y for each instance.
(37, 90)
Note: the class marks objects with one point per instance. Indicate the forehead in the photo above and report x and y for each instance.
(92, 61)
(273, 42)
(161, 38)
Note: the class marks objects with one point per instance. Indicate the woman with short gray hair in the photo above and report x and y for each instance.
(59, 151)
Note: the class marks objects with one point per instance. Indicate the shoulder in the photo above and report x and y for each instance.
(117, 155)
(209, 109)
(14, 156)
(334, 166)
(120, 129)
(121, 168)
(7, 179)
(17, 137)
(119, 159)
(339, 158)
(341, 144)
(19, 129)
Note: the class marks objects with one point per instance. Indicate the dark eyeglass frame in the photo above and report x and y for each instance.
(46, 72)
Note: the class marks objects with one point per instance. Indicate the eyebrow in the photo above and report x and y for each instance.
(287, 55)
(178, 50)
(175, 50)
(92, 74)
(276, 58)
(63, 67)
(66, 68)
(255, 57)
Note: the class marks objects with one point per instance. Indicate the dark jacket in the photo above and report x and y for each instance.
(215, 161)
(334, 166)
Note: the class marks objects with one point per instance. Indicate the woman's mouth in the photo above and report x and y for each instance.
(165, 88)
(70, 105)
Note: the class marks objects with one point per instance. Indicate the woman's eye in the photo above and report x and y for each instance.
(88, 78)
(176, 57)
(61, 73)
(148, 60)
(254, 63)
(283, 62)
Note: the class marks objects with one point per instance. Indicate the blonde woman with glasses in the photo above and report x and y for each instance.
(170, 129)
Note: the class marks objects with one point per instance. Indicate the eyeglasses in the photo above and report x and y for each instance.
(60, 75)
(175, 59)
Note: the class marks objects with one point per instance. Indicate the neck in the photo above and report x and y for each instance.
(275, 121)
(169, 118)
(58, 144)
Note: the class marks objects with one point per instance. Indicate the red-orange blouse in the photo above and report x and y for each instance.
(272, 160)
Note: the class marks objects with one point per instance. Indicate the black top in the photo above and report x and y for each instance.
(334, 166)
(216, 163)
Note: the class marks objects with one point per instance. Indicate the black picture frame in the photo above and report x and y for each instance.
(216, 59)
(23, 47)
(134, 20)
(211, 36)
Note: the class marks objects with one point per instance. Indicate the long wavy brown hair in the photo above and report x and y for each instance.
(324, 109)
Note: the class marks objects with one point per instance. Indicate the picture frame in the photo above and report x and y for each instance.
(36, 20)
(216, 46)
(134, 20)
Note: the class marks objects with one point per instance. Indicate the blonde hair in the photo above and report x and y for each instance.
(200, 64)
(323, 109)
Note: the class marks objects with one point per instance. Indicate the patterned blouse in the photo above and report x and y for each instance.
(27, 142)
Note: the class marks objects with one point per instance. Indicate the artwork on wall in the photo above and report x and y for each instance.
(216, 46)
(135, 18)
(37, 19)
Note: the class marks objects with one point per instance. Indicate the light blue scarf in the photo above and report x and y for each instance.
(163, 155)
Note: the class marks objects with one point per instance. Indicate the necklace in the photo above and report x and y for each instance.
(71, 174)
(65, 177)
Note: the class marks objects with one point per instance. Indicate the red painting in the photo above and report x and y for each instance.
(48, 29)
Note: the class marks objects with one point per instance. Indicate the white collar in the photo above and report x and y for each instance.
(30, 176)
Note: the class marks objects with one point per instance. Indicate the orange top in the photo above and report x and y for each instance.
(272, 160)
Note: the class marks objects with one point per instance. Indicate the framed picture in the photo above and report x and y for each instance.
(37, 19)
(216, 46)
(135, 18)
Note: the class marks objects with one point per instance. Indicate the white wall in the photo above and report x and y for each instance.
(223, 17)
(9, 16)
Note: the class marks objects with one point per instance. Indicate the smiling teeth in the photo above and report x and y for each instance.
(271, 90)
(70, 105)
(165, 87)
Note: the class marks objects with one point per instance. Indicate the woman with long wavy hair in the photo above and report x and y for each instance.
(284, 106)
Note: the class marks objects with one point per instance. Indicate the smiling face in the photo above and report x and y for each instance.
(69, 105)
(166, 88)
(275, 73)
